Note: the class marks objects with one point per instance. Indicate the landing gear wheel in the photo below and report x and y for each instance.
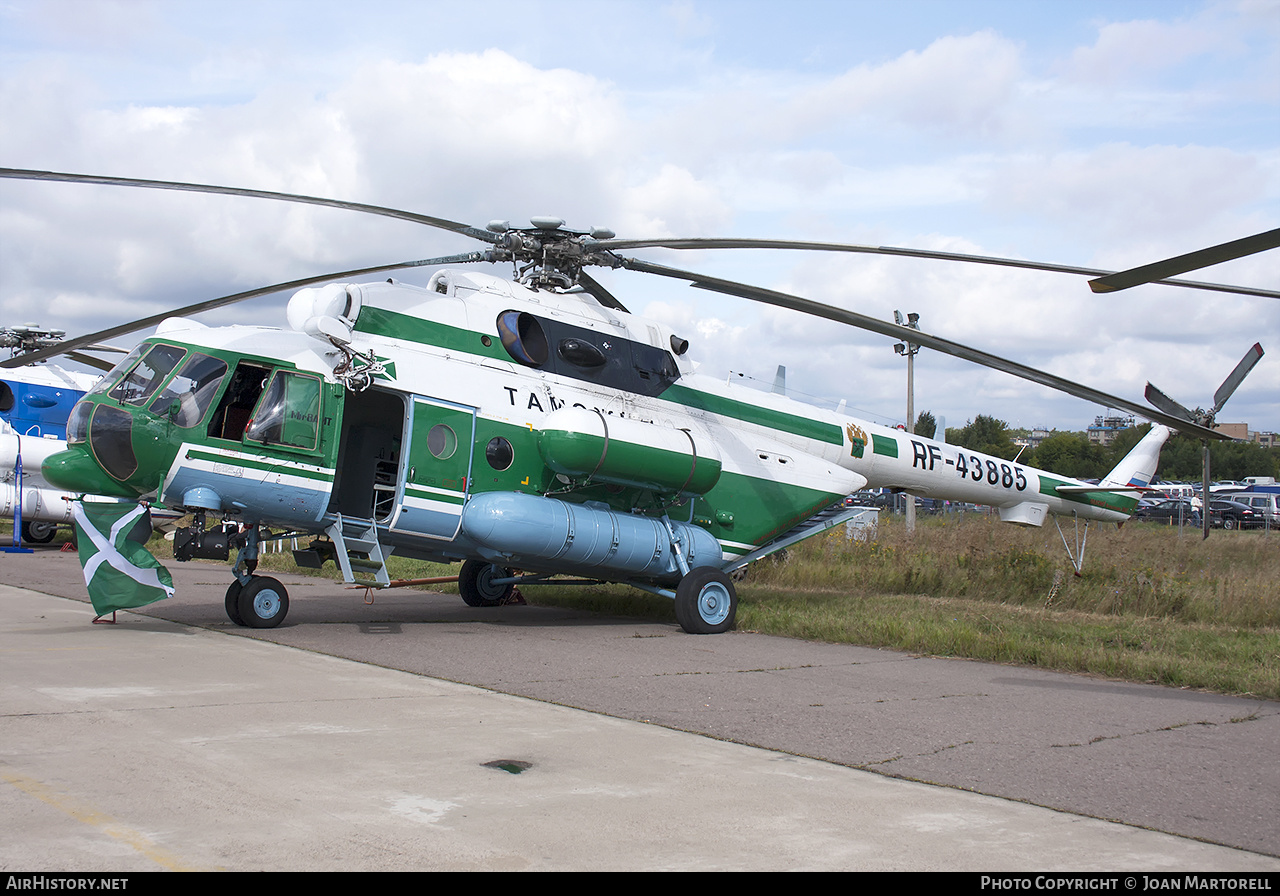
(475, 584)
(706, 602)
(39, 533)
(233, 602)
(263, 603)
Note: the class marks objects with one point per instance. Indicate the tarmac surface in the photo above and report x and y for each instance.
(417, 733)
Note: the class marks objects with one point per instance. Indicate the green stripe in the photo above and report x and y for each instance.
(886, 445)
(443, 497)
(394, 325)
(1107, 500)
(750, 413)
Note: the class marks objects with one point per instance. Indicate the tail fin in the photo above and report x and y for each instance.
(1138, 467)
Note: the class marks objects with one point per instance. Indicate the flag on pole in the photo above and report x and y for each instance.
(118, 569)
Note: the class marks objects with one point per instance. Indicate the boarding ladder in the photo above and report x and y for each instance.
(358, 553)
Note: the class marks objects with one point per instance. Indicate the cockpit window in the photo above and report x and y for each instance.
(142, 381)
(113, 375)
(111, 440)
(289, 413)
(189, 394)
(78, 422)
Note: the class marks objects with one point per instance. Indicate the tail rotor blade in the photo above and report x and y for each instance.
(1251, 357)
(1166, 404)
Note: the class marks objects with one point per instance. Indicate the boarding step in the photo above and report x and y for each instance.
(358, 553)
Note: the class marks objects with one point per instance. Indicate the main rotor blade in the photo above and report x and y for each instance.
(602, 295)
(1229, 385)
(92, 361)
(907, 334)
(1201, 258)
(735, 243)
(133, 326)
(443, 224)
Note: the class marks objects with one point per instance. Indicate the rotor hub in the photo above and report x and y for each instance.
(547, 255)
(28, 338)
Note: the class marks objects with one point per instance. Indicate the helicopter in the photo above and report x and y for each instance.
(531, 428)
(34, 404)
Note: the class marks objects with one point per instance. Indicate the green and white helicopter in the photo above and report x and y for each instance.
(529, 428)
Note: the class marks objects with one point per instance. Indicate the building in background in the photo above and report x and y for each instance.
(1105, 429)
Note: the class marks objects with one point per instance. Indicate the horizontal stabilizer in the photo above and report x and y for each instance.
(1084, 489)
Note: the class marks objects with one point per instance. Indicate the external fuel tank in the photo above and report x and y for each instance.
(530, 531)
(588, 445)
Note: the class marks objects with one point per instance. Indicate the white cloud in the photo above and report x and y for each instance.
(1138, 143)
(1138, 197)
(955, 85)
(1125, 50)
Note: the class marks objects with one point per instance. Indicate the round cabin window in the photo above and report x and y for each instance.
(441, 442)
(499, 453)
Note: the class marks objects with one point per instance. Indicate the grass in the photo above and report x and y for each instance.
(1153, 605)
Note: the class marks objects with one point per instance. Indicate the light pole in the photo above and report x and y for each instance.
(909, 349)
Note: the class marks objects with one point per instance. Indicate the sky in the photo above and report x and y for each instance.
(1098, 134)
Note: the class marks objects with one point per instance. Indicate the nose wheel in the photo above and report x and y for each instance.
(706, 602)
(263, 603)
(38, 532)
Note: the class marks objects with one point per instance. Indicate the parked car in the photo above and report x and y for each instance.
(1235, 515)
(1173, 511)
(1265, 503)
(930, 505)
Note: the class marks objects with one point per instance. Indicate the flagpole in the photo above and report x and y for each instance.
(17, 547)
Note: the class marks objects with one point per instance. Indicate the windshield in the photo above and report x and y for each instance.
(189, 394)
(147, 375)
(113, 375)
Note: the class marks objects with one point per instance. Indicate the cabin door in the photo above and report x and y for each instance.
(437, 471)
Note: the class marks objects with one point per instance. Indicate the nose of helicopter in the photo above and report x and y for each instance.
(76, 470)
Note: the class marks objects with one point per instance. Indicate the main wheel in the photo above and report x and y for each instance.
(476, 585)
(263, 603)
(233, 602)
(39, 533)
(706, 602)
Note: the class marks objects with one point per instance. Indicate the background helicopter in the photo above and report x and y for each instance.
(34, 404)
(534, 425)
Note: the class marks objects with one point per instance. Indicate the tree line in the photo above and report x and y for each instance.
(1072, 454)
